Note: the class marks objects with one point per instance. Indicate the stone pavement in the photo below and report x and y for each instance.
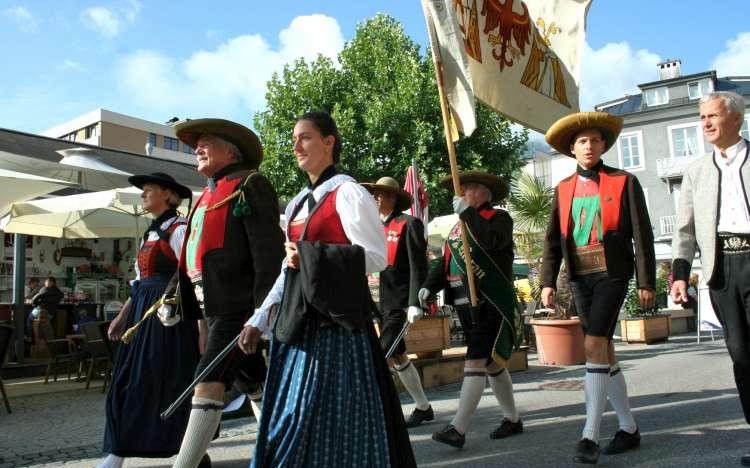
(683, 396)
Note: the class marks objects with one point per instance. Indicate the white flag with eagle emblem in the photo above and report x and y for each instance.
(520, 58)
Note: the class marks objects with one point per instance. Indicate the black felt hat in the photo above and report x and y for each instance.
(162, 180)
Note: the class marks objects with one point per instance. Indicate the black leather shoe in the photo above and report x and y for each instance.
(587, 451)
(507, 429)
(419, 416)
(450, 435)
(745, 460)
(205, 462)
(622, 442)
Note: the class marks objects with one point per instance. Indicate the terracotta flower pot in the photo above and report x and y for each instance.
(559, 342)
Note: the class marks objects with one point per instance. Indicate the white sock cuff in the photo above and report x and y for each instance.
(403, 367)
(475, 372)
(614, 370)
(207, 403)
(596, 368)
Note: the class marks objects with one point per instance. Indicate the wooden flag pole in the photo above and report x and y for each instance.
(454, 172)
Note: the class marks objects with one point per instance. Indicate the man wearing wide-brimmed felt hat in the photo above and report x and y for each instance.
(229, 262)
(599, 216)
(490, 329)
(399, 284)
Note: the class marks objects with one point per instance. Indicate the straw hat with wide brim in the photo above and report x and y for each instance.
(162, 180)
(497, 186)
(190, 131)
(561, 134)
(390, 185)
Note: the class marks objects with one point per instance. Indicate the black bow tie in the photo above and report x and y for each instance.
(592, 173)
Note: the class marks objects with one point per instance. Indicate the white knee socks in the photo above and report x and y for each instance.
(204, 419)
(410, 378)
(618, 397)
(111, 461)
(471, 393)
(595, 387)
(502, 387)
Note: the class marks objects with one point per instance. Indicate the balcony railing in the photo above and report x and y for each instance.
(666, 225)
(673, 167)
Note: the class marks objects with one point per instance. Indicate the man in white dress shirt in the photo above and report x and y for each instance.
(714, 217)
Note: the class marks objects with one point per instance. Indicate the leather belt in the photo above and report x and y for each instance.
(588, 259)
(733, 244)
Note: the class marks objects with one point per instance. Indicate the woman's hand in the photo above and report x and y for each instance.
(292, 257)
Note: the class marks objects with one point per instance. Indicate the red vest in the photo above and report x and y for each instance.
(610, 197)
(324, 225)
(156, 256)
(211, 230)
(393, 231)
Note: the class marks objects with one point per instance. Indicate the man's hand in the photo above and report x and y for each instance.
(679, 292)
(646, 297)
(548, 297)
(413, 313)
(424, 297)
(249, 338)
(292, 257)
(459, 204)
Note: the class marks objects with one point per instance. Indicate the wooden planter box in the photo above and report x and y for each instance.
(428, 337)
(645, 330)
(680, 320)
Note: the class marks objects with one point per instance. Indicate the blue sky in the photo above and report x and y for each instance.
(158, 59)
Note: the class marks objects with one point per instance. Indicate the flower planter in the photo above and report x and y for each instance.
(645, 329)
(559, 341)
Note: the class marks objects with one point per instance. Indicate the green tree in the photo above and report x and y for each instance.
(383, 96)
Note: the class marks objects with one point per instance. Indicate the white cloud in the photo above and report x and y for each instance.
(69, 65)
(232, 77)
(108, 22)
(23, 18)
(102, 20)
(735, 59)
(614, 70)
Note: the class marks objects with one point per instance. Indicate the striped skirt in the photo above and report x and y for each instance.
(322, 405)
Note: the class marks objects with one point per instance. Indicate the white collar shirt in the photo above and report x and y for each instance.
(734, 216)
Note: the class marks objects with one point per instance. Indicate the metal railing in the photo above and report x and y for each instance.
(673, 167)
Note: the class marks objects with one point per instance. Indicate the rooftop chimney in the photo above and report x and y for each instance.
(172, 121)
(669, 69)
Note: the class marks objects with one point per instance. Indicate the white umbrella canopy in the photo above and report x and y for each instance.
(116, 213)
(19, 186)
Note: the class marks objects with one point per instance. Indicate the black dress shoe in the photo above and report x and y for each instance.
(622, 442)
(450, 435)
(419, 416)
(205, 462)
(745, 460)
(507, 428)
(587, 451)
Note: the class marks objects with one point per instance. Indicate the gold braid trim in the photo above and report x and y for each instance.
(237, 193)
(127, 337)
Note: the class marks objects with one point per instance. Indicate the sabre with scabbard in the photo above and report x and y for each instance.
(189, 390)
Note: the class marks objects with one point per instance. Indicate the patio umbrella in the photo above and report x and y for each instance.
(112, 213)
(420, 201)
(19, 186)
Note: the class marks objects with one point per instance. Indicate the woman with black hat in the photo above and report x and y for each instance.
(151, 370)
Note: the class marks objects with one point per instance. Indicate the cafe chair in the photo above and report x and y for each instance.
(94, 346)
(6, 332)
(60, 351)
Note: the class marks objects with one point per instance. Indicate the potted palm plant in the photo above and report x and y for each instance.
(558, 333)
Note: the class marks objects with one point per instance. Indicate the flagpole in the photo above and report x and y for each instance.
(454, 171)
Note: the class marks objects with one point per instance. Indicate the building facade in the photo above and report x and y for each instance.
(122, 132)
(662, 135)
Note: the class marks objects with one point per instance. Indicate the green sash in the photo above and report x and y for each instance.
(495, 288)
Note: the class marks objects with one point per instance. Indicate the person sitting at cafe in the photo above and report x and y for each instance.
(46, 302)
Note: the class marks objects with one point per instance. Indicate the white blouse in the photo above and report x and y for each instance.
(361, 222)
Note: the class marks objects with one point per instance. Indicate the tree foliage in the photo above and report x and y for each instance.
(383, 95)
